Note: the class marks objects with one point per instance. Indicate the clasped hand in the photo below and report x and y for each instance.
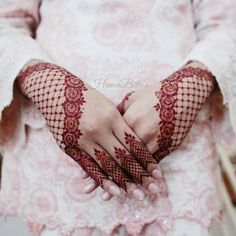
(118, 153)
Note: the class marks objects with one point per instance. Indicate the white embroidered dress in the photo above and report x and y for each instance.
(116, 46)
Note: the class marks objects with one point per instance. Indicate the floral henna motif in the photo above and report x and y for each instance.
(139, 151)
(59, 96)
(180, 98)
(74, 100)
(137, 172)
(110, 167)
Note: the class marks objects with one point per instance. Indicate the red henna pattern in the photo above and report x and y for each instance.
(180, 98)
(135, 170)
(59, 96)
(121, 106)
(32, 69)
(88, 164)
(74, 100)
(112, 169)
(139, 151)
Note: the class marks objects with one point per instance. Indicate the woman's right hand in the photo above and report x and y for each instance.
(89, 128)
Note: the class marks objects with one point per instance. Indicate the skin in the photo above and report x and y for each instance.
(107, 140)
(143, 103)
(140, 112)
(102, 133)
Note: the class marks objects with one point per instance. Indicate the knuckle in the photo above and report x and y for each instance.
(89, 127)
(109, 114)
(145, 136)
(131, 119)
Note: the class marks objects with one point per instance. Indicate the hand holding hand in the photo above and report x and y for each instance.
(162, 115)
(89, 129)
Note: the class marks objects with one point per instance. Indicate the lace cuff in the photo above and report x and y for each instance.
(217, 53)
(12, 61)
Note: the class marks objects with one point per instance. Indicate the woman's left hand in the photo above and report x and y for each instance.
(161, 115)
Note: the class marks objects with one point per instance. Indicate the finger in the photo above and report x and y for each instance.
(130, 164)
(121, 107)
(84, 175)
(151, 142)
(106, 196)
(164, 149)
(152, 145)
(133, 144)
(92, 168)
(144, 128)
(90, 186)
(109, 166)
(158, 152)
(114, 171)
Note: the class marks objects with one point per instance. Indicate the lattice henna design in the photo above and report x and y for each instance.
(139, 151)
(180, 98)
(113, 170)
(136, 171)
(88, 164)
(59, 96)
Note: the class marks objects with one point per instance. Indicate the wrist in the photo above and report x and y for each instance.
(180, 98)
(195, 64)
(34, 69)
(201, 69)
(29, 64)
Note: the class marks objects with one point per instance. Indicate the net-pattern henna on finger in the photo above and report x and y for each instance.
(138, 149)
(135, 170)
(180, 98)
(88, 164)
(59, 96)
(117, 174)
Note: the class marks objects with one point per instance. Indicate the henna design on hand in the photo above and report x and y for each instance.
(88, 165)
(180, 98)
(139, 151)
(111, 167)
(135, 170)
(59, 96)
(121, 106)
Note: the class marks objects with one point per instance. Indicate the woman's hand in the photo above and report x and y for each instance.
(90, 129)
(162, 115)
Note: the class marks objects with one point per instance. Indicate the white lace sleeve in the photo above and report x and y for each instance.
(216, 46)
(18, 20)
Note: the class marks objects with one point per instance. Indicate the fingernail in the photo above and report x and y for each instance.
(138, 194)
(153, 188)
(105, 196)
(114, 190)
(163, 190)
(84, 175)
(157, 174)
(89, 187)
